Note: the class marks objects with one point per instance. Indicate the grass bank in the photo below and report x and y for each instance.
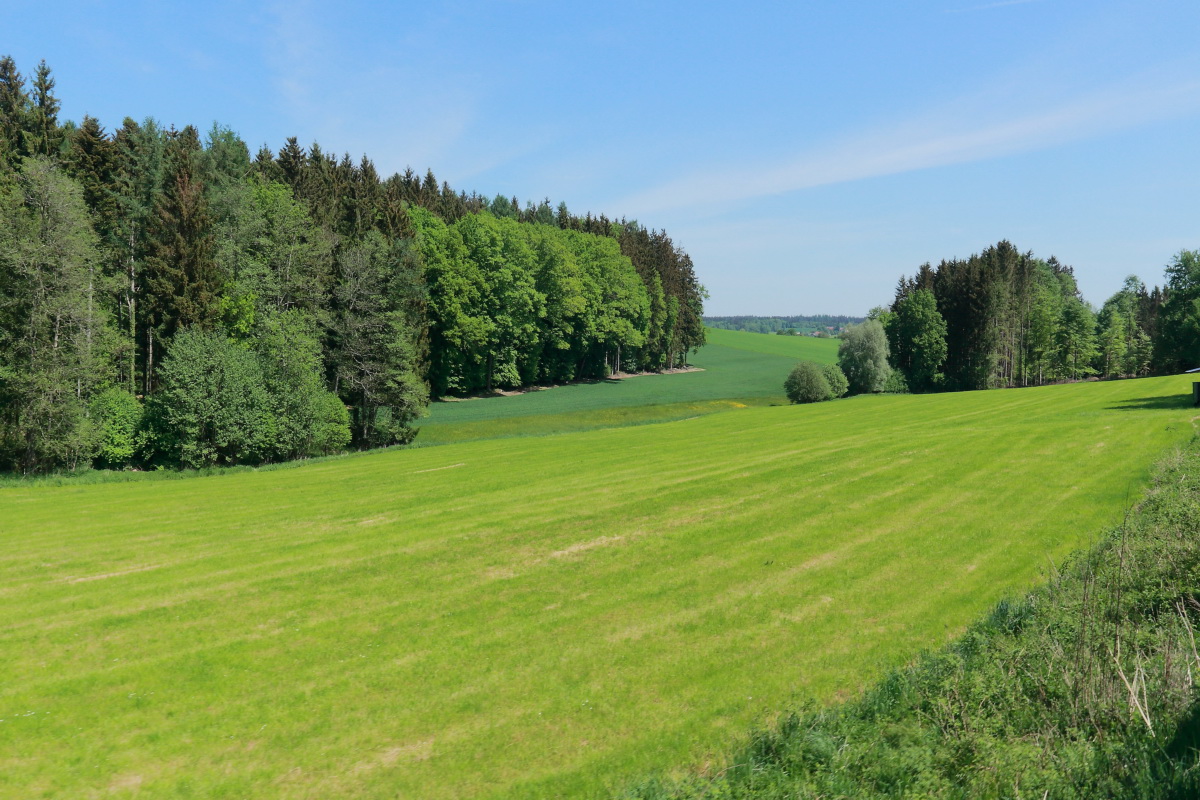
(1084, 688)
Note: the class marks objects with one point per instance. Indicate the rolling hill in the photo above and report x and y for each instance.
(736, 370)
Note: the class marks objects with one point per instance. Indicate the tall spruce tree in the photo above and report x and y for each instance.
(14, 112)
(42, 133)
(183, 281)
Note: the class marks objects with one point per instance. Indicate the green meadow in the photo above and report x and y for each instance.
(536, 616)
(735, 370)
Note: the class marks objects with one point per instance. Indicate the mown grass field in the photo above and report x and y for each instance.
(737, 369)
(529, 617)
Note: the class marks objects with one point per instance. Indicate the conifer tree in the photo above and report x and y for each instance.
(42, 133)
(91, 160)
(14, 111)
(183, 281)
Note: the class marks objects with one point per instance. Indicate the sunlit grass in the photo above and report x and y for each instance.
(539, 616)
(737, 369)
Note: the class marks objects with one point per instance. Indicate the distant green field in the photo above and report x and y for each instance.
(738, 369)
(532, 617)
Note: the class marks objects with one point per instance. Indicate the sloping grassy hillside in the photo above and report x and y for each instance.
(537, 616)
(737, 369)
(795, 348)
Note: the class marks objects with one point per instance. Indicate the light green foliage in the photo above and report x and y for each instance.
(509, 300)
(806, 383)
(459, 326)
(330, 431)
(278, 259)
(863, 357)
(54, 331)
(1125, 349)
(549, 616)
(308, 419)
(838, 385)
(1076, 338)
(618, 304)
(116, 416)
(511, 304)
(212, 407)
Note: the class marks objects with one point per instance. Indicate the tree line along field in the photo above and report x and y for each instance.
(537, 616)
(735, 370)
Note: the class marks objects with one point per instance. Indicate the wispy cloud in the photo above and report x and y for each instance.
(957, 134)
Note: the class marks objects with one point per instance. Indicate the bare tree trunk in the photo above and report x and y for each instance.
(131, 302)
(149, 357)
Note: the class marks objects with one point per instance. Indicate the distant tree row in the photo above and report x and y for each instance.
(1005, 318)
(818, 324)
(168, 300)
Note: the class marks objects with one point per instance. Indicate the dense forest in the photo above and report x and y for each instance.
(818, 324)
(169, 299)
(1005, 318)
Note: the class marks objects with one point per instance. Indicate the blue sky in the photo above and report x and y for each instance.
(805, 154)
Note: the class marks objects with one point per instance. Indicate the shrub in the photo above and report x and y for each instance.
(212, 408)
(116, 415)
(807, 384)
(896, 384)
(331, 425)
(838, 386)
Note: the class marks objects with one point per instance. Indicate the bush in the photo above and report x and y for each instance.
(863, 356)
(807, 384)
(331, 425)
(896, 384)
(838, 385)
(116, 415)
(212, 407)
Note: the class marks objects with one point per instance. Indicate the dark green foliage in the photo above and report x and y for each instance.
(373, 351)
(14, 112)
(806, 383)
(1014, 320)
(863, 357)
(42, 133)
(1084, 688)
(183, 280)
(1178, 346)
(116, 416)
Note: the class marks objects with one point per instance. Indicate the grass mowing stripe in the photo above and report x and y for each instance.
(554, 616)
